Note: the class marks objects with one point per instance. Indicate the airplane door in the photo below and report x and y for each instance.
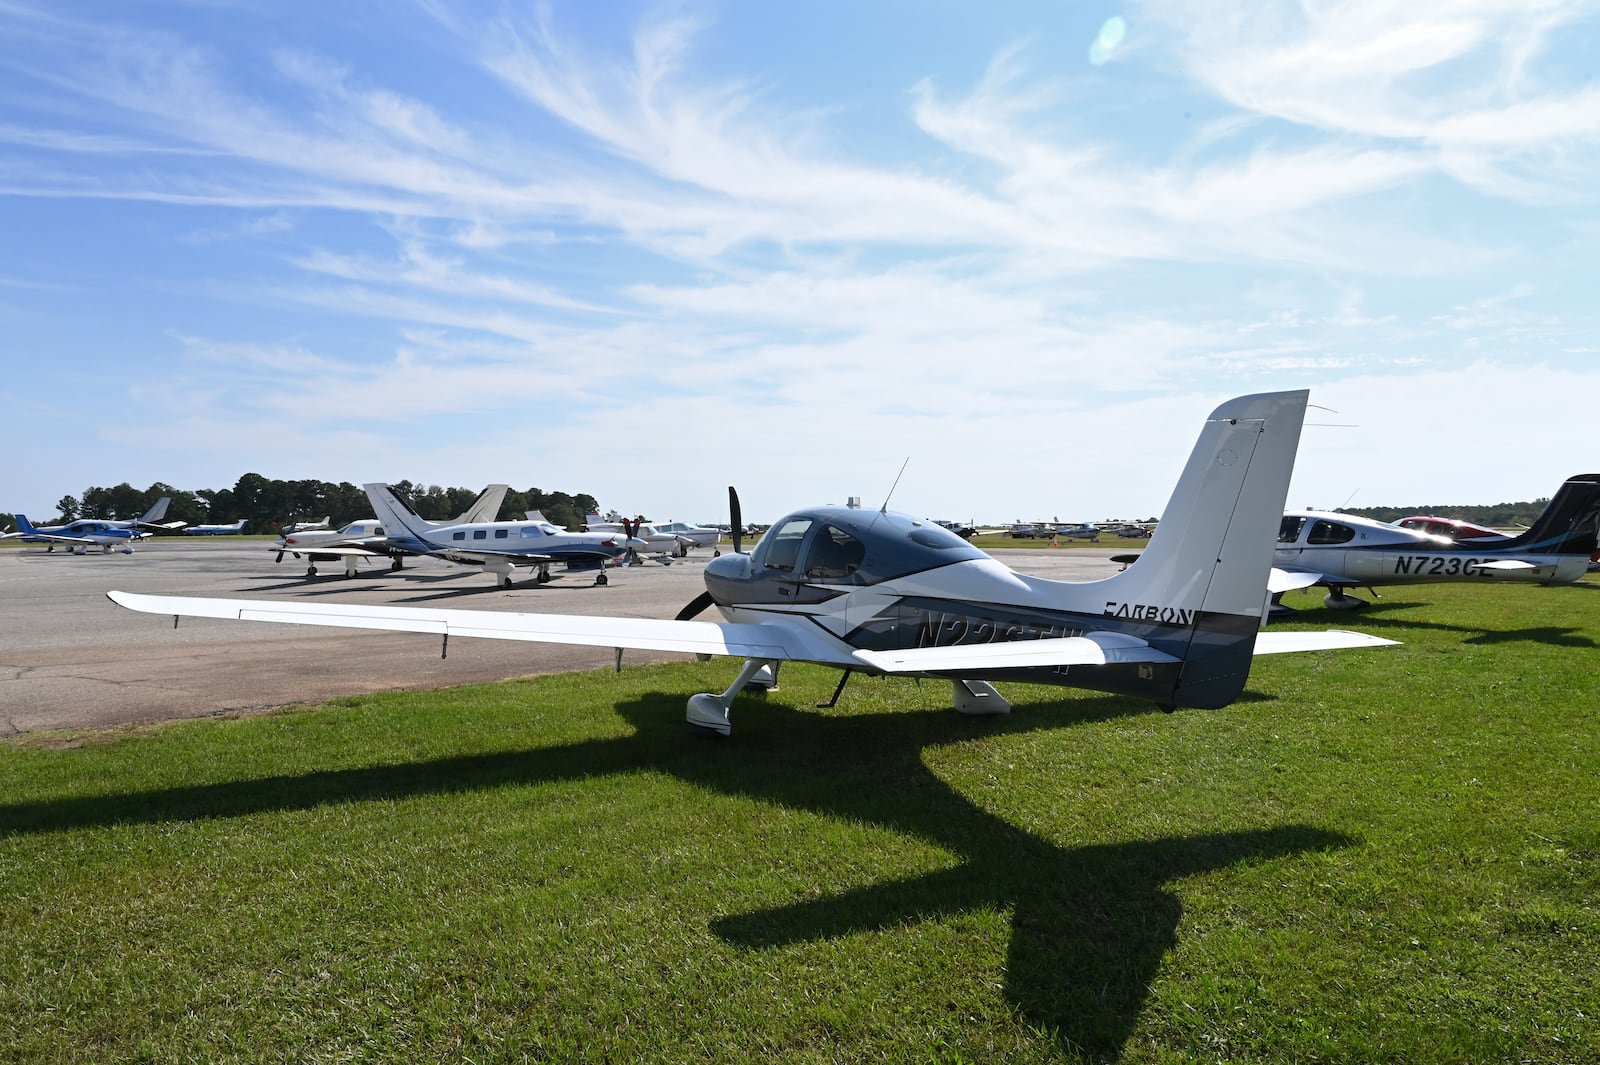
(1291, 543)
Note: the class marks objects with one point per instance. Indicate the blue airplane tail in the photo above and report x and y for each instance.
(25, 526)
(1569, 523)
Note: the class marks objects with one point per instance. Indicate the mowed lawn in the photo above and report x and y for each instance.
(1384, 855)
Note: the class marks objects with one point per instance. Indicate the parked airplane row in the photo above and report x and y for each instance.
(890, 594)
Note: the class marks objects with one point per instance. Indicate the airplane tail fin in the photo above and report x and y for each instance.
(1569, 523)
(486, 507)
(1197, 592)
(393, 514)
(156, 512)
(25, 526)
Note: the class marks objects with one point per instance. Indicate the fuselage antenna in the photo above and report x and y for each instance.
(885, 508)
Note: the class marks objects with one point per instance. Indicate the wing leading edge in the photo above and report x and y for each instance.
(768, 640)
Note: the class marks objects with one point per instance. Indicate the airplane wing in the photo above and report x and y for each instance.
(773, 640)
(521, 557)
(1508, 565)
(53, 537)
(768, 640)
(349, 547)
(1095, 649)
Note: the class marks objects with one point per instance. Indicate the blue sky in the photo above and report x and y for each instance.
(648, 250)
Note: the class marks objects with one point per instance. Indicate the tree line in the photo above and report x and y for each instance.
(1493, 515)
(268, 504)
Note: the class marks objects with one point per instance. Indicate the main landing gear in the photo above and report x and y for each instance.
(708, 713)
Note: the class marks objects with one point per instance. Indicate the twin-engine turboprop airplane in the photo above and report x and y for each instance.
(1342, 551)
(365, 539)
(888, 594)
(82, 534)
(498, 546)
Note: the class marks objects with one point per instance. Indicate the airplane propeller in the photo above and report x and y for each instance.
(630, 530)
(736, 528)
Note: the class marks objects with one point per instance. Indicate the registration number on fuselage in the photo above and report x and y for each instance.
(938, 629)
(1440, 566)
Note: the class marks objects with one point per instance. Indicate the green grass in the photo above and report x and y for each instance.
(1388, 855)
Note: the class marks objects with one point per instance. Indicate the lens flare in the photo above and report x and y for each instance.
(1105, 43)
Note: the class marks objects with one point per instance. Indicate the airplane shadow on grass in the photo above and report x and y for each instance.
(1090, 925)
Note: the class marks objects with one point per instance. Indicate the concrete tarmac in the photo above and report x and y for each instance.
(71, 659)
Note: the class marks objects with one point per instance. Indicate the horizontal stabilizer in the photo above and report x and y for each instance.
(1277, 643)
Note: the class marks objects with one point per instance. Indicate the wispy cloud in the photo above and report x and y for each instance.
(567, 228)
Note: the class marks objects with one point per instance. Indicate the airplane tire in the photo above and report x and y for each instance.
(602, 579)
(311, 571)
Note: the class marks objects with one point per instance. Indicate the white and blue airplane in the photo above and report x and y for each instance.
(498, 546)
(1344, 551)
(145, 525)
(365, 539)
(217, 530)
(81, 535)
(891, 595)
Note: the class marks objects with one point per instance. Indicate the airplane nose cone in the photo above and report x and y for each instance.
(635, 542)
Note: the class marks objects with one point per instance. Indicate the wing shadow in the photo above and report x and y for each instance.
(1090, 925)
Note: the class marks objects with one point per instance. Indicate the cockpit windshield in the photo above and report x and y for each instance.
(840, 544)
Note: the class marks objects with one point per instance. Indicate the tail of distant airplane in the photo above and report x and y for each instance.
(156, 512)
(1201, 585)
(486, 507)
(393, 513)
(1568, 525)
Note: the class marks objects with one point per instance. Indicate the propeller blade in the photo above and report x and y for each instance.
(695, 606)
(735, 518)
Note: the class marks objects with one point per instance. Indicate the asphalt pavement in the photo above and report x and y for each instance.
(70, 659)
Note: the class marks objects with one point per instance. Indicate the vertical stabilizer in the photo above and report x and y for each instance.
(1568, 525)
(395, 516)
(486, 507)
(1204, 575)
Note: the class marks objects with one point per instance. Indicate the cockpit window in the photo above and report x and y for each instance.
(834, 554)
(1289, 530)
(783, 544)
(1330, 532)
